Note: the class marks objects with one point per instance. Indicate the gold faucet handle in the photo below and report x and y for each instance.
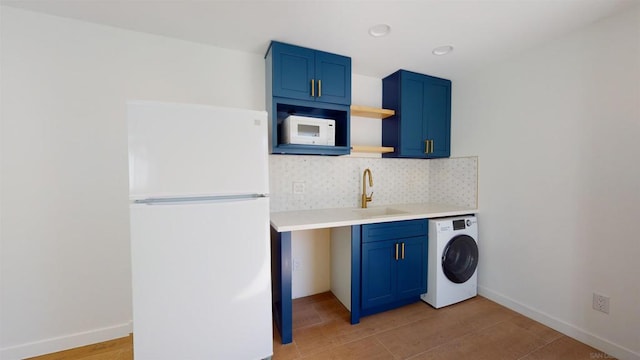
(370, 197)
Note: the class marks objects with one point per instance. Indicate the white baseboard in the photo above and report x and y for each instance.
(66, 342)
(570, 330)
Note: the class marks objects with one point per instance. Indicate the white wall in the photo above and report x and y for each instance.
(311, 259)
(556, 130)
(367, 91)
(65, 266)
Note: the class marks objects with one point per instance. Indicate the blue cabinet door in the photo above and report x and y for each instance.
(412, 267)
(379, 272)
(293, 71)
(421, 127)
(333, 76)
(412, 132)
(437, 116)
(307, 74)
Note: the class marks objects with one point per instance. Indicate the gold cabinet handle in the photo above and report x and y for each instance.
(428, 146)
(397, 251)
(313, 87)
(402, 251)
(319, 88)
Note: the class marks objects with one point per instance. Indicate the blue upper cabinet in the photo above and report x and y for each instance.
(306, 74)
(421, 126)
(307, 82)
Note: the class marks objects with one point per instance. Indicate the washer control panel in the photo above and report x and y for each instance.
(456, 224)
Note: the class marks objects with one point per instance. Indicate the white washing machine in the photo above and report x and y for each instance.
(453, 261)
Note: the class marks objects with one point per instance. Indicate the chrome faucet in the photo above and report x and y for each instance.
(365, 198)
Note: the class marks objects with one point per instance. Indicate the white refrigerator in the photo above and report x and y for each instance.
(198, 185)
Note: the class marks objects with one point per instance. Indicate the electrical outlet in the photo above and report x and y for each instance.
(601, 303)
(298, 187)
(296, 265)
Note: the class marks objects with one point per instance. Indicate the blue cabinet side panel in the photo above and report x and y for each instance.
(281, 284)
(390, 100)
(271, 111)
(355, 274)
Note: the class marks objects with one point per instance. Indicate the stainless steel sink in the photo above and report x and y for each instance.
(378, 212)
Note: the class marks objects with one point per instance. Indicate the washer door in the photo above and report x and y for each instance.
(460, 258)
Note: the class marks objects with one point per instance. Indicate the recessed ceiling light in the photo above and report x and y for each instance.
(379, 30)
(442, 50)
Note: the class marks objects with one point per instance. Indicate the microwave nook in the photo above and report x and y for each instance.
(308, 131)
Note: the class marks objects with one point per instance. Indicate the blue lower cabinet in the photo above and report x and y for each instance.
(394, 264)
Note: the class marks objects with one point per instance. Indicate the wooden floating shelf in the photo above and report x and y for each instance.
(371, 149)
(371, 112)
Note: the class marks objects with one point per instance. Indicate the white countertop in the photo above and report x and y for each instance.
(327, 218)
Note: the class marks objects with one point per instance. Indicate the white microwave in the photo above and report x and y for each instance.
(308, 130)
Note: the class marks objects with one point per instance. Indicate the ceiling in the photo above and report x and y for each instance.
(481, 31)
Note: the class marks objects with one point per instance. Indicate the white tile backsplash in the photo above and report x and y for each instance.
(336, 182)
(454, 181)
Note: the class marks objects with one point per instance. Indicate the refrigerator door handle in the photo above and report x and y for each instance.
(199, 199)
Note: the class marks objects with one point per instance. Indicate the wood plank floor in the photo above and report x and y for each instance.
(475, 329)
(118, 349)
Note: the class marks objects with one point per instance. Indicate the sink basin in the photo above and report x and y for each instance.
(378, 212)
